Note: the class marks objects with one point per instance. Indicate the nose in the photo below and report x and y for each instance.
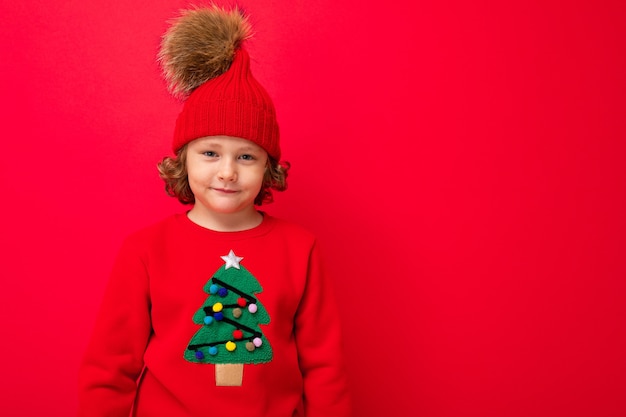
(227, 171)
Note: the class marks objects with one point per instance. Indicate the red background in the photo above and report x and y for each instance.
(461, 162)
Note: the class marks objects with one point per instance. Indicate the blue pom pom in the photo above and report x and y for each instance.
(213, 289)
(222, 292)
(212, 351)
(208, 320)
(200, 355)
(218, 316)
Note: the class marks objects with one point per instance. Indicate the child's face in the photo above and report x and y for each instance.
(225, 173)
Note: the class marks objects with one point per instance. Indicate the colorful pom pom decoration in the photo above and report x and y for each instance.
(252, 308)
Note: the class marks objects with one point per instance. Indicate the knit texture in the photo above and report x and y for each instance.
(135, 358)
(232, 104)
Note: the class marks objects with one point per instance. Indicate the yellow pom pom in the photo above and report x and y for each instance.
(217, 307)
(230, 346)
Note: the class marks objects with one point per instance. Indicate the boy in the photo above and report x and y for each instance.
(223, 310)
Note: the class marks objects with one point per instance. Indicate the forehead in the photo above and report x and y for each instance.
(230, 142)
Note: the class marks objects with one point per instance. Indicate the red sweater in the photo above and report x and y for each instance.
(138, 357)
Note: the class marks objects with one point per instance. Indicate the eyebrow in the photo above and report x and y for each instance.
(247, 148)
(243, 148)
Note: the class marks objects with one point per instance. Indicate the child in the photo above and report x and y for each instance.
(224, 310)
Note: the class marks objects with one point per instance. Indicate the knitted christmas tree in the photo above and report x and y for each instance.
(230, 335)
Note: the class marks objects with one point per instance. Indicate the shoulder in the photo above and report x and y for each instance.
(155, 228)
(291, 230)
(155, 232)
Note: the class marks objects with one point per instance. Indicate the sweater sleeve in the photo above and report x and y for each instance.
(318, 339)
(113, 361)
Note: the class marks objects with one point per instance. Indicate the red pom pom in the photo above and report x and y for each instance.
(237, 334)
(242, 302)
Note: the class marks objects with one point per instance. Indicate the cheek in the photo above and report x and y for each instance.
(195, 180)
(260, 178)
(195, 172)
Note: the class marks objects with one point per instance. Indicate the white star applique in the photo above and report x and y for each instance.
(232, 260)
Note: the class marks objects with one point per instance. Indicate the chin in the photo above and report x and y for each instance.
(228, 209)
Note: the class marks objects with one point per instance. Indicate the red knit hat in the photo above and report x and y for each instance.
(204, 63)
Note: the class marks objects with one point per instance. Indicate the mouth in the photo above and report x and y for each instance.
(224, 190)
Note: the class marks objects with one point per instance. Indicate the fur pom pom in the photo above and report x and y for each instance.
(200, 45)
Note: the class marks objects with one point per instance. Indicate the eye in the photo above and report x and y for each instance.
(210, 154)
(247, 157)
